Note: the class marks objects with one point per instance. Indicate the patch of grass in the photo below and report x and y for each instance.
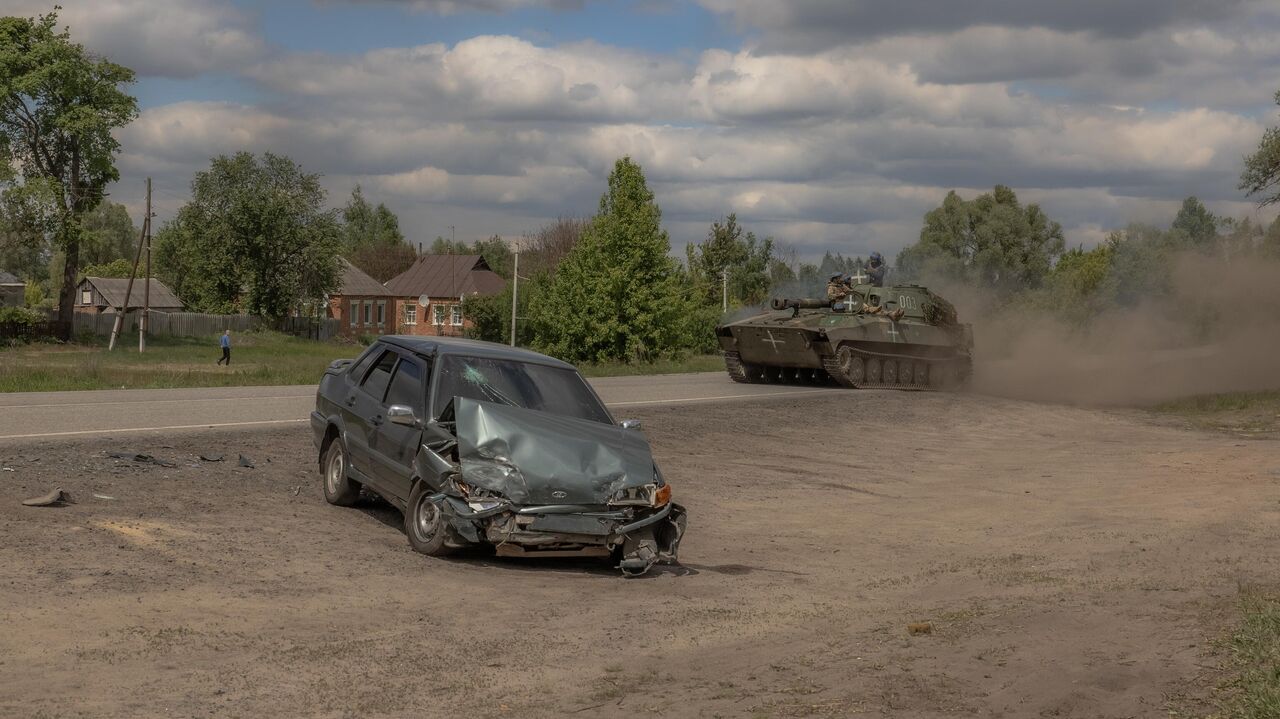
(695, 363)
(1241, 412)
(258, 358)
(1254, 693)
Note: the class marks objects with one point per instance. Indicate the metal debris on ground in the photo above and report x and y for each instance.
(143, 458)
(102, 496)
(56, 498)
(246, 462)
(212, 457)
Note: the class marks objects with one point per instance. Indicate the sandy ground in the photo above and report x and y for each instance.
(1072, 563)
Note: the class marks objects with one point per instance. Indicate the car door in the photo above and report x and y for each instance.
(394, 446)
(343, 397)
(366, 412)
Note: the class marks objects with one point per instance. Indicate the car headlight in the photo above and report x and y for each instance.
(645, 495)
(478, 498)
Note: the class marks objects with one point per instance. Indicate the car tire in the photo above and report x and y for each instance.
(426, 525)
(339, 488)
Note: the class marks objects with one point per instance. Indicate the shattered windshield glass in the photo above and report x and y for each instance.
(519, 384)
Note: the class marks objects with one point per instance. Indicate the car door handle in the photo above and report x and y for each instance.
(351, 400)
(376, 420)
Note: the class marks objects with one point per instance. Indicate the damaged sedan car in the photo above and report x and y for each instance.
(484, 444)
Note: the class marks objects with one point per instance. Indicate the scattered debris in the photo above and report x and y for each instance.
(212, 457)
(246, 462)
(920, 628)
(297, 490)
(143, 458)
(8, 469)
(56, 498)
(102, 496)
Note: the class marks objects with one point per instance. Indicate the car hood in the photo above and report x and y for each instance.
(534, 457)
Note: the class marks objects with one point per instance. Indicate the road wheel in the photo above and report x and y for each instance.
(873, 370)
(906, 372)
(339, 489)
(425, 523)
(890, 372)
(922, 374)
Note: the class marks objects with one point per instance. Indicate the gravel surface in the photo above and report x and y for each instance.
(1051, 561)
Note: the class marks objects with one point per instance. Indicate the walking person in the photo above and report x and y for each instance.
(225, 343)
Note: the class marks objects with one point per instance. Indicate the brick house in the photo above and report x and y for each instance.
(362, 304)
(102, 294)
(441, 280)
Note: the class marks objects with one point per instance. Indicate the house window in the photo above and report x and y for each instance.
(368, 312)
(439, 312)
(86, 297)
(382, 313)
(355, 312)
(410, 313)
(455, 315)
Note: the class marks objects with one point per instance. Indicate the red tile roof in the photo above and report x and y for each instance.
(447, 276)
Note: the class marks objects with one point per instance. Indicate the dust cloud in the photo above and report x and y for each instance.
(1217, 331)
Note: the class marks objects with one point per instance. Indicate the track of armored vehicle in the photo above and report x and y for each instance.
(902, 337)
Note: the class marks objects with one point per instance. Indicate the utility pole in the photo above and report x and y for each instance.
(724, 288)
(145, 325)
(128, 289)
(515, 292)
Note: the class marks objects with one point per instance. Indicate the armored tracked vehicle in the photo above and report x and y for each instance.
(899, 337)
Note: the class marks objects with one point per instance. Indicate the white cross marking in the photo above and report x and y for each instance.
(893, 331)
(774, 341)
(859, 277)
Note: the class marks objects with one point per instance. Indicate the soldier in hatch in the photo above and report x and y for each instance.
(876, 270)
(837, 287)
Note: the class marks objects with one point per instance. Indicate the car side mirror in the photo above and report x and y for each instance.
(403, 415)
(629, 424)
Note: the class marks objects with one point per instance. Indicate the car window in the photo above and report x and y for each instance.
(406, 386)
(362, 364)
(375, 383)
(522, 384)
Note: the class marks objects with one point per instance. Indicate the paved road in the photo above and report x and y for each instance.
(32, 415)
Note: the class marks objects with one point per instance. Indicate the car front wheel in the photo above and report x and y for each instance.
(425, 523)
(339, 489)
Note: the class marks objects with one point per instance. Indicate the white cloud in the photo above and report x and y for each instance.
(176, 38)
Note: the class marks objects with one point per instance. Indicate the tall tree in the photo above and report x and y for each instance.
(364, 224)
(991, 240)
(1261, 175)
(58, 108)
(616, 295)
(730, 255)
(255, 237)
(107, 234)
(1196, 222)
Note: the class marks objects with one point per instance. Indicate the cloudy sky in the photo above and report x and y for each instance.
(828, 124)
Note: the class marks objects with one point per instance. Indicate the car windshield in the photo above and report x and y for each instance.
(520, 384)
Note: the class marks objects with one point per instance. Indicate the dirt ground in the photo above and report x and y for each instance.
(1070, 562)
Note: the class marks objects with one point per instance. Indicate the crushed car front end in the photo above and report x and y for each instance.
(534, 484)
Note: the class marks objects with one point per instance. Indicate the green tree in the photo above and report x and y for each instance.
(107, 234)
(616, 295)
(1196, 222)
(1261, 175)
(371, 238)
(118, 269)
(58, 108)
(255, 237)
(745, 258)
(991, 240)
(495, 251)
(1269, 245)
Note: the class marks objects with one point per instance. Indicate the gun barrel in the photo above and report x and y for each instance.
(780, 303)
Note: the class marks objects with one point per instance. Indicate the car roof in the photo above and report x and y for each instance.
(471, 348)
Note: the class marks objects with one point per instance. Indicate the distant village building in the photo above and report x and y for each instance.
(12, 290)
(428, 295)
(361, 303)
(102, 294)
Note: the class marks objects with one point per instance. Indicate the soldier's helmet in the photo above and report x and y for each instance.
(836, 277)
(875, 257)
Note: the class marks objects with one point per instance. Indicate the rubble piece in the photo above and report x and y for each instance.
(56, 498)
(246, 462)
(920, 628)
(102, 496)
(143, 458)
(212, 457)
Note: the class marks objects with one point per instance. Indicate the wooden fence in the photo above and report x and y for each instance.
(26, 332)
(195, 324)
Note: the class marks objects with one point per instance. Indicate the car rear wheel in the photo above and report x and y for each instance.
(425, 524)
(339, 489)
